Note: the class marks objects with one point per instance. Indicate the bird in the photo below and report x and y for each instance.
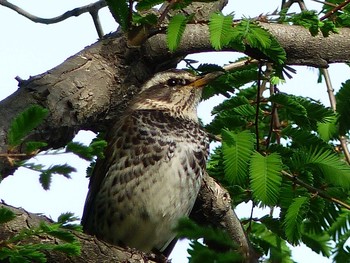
(154, 163)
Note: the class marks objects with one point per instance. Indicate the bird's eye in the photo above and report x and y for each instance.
(186, 81)
(172, 82)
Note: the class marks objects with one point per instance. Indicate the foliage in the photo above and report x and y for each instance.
(310, 20)
(343, 97)
(24, 123)
(175, 31)
(220, 247)
(19, 247)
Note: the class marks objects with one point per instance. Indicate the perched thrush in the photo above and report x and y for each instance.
(153, 165)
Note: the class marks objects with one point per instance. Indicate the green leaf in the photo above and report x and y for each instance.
(269, 243)
(200, 253)
(255, 36)
(96, 148)
(45, 180)
(246, 110)
(220, 28)
(307, 19)
(343, 109)
(294, 217)
(290, 103)
(328, 130)
(340, 225)
(71, 249)
(176, 28)
(120, 12)
(265, 177)
(68, 221)
(335, 171)
(186, 228)
(237, 149)
(31, 147)
(63, 169)
(342, 250)
(45, 177)
(24, 123)
(6, 215)
(318, 243)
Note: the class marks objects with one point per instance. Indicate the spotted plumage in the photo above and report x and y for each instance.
(153, 165)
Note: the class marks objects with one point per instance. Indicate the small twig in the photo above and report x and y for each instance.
(288, 4)
(272, 121)
(314, 190)
(330, 89)
(240, 64)
(249, 228)
(165, 10)
(325, 3)
(334, 10)
(258, 95)
(97, 23)
(90, 8)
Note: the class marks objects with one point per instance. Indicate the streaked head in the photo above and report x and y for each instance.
(176, 91)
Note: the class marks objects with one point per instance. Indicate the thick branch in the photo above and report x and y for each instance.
(92, 250)
(213, 207)
(301, 47)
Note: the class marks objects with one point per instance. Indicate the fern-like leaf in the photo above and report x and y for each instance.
(220, 28)
(265, 177)
(120, 12)
(290, 103)
(340, 225)
(335, 171)
(294, 217)
(343, 109)
(237, 149)
(175, 30)
(318, 243)
(328, 130)
(24, 123)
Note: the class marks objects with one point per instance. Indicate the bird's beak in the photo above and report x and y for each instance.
(204, 80)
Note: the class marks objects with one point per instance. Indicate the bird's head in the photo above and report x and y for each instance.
(177, 92)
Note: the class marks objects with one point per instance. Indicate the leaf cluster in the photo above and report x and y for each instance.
(19, 247)
(243, 35)
(217, 246)
(310, 20)
(293, 167)
(23, 124)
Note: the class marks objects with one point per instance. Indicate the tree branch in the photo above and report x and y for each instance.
(213, 206)
(300, 46)
(92, 249)
(315, 190)
(90, 8)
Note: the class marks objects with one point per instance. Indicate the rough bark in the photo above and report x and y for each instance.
(92, 249)
(90, 89)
